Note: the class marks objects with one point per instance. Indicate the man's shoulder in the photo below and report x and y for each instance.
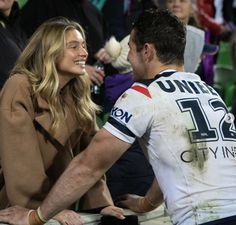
(141, 88)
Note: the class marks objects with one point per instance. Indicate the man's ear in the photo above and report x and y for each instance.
(149, 52)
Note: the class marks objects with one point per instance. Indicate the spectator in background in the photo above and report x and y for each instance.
(196, 49)
(193, 49)
(120, 14)
(12, 39)
(183, 9)
(216, 16)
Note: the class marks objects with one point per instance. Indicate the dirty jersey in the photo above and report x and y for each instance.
(188, 134)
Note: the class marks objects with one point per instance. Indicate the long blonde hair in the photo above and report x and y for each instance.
(38, 62)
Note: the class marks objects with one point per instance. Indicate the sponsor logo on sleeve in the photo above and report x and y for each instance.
(120, 114)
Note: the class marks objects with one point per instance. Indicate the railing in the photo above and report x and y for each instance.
(155, 217)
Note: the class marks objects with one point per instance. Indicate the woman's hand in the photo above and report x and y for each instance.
(113, 211)
(14, 215)
(68, 217)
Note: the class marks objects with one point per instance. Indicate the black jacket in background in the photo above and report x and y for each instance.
(12, 41)
(35, 12)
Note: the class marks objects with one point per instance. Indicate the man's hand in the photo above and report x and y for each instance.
(131, 202)
(139, 204)
(68, 217)
(14, 215)
(113, 211)
(136, 203)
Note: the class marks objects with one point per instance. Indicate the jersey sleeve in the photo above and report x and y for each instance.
(131, 115)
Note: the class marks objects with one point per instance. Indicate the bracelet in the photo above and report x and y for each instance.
(34, 219)
(28, 214)
(145, 204)
(150, 202)
(40, 215)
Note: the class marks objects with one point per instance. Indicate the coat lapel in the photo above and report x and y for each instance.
(66, 129)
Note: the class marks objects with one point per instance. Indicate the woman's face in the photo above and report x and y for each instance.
(181, 8)
(73, 58)
(5, 6)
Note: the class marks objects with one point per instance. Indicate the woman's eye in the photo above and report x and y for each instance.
(71, 46)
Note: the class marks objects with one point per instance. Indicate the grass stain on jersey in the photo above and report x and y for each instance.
(200, 155)
(209, 208)
(197, 154)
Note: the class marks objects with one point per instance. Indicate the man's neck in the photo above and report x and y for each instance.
(157, 69)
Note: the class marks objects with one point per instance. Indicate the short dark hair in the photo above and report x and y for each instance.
(165, 31)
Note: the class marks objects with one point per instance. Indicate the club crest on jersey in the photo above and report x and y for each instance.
(121, 114)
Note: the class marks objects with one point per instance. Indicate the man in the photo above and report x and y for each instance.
(181, 123)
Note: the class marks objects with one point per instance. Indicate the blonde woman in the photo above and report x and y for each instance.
(47, 117)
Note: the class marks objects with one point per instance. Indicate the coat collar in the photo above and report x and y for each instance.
(67, 127)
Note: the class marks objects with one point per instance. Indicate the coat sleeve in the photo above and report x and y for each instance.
(21, 160)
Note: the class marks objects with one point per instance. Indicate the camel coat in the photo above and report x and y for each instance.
(31, 160)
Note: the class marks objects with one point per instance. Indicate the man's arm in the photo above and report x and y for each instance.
(84, 170)
(153, 197)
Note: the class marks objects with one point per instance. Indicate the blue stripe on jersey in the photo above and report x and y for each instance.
(120, 127)
(164, 74)
(147, 82)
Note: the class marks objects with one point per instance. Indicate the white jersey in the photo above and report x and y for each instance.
(190, 139)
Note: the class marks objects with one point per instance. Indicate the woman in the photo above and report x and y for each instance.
(46, 117)
(35, 12)
(183, 9)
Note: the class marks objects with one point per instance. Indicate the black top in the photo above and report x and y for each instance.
(35, 12)
(12, 42)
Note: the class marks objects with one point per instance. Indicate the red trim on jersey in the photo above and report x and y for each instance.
(142, 90)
